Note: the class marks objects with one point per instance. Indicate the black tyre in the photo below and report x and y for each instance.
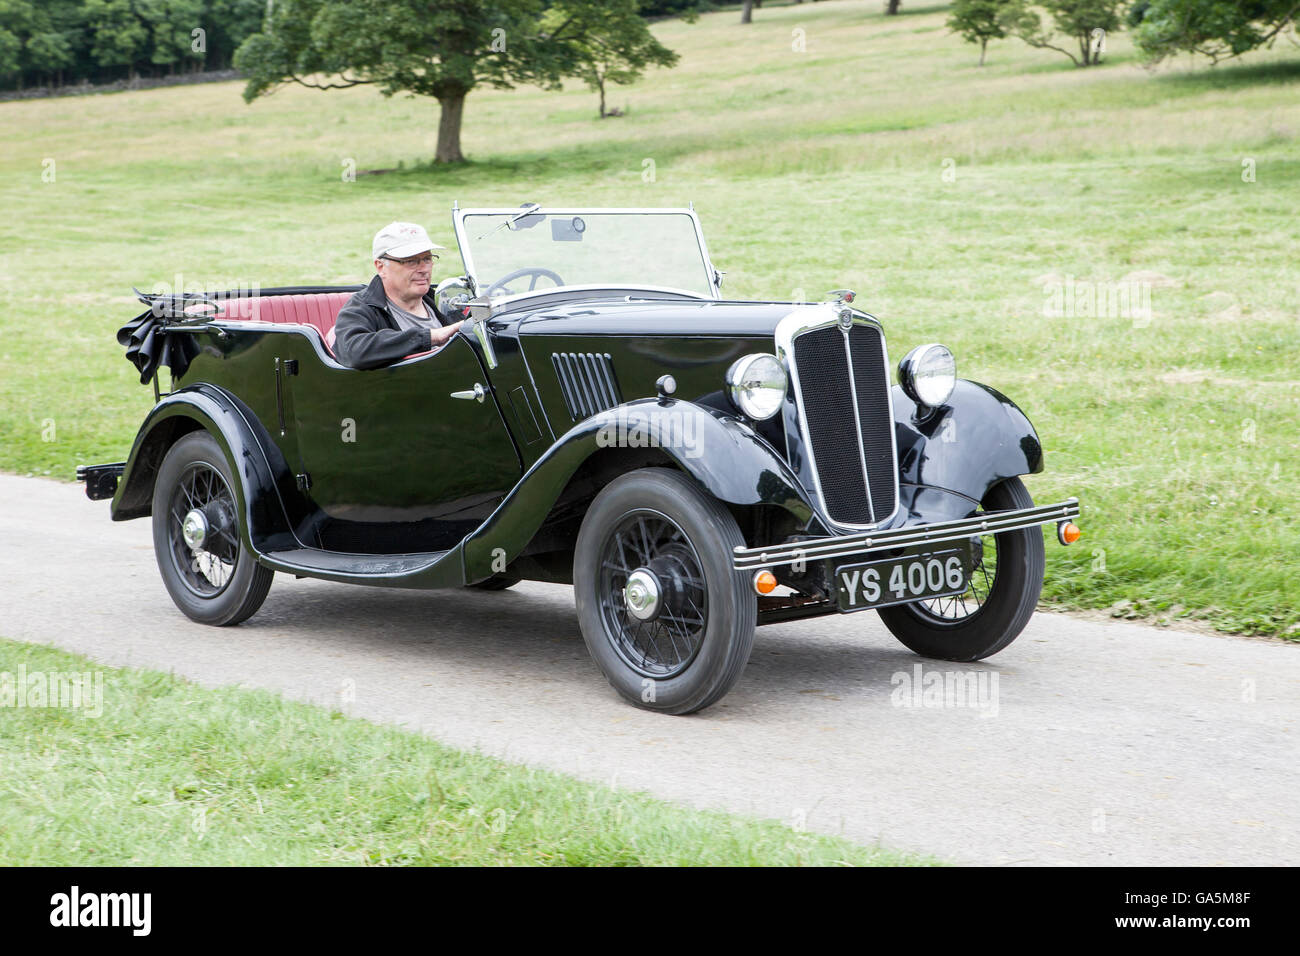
(1003, 592)
(665, 617)
(210, 575)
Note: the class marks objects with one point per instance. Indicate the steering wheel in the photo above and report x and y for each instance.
(501, 285)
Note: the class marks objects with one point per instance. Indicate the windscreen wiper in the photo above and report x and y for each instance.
(527, 209)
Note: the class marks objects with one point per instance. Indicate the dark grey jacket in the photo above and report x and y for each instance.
(366, 334)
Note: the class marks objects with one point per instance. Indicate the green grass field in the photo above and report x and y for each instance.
(954, 198)
(164, 773)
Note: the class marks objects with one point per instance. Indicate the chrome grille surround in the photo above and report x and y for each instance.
(814, 318)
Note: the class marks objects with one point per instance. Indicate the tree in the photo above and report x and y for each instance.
(891, 7)
(228, 23)
(42, 39)
(438, 48)
(11, 48)
(171, 23)
(1086, 21)
(52, 51)
(979, 21)
(617, 49)
(120, 34)
(1219, 29)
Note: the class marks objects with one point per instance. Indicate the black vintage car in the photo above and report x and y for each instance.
(694, 466)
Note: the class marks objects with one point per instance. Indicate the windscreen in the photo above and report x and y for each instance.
(541, 250)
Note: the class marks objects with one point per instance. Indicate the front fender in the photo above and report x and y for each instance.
(265, 526)
(724, 455)
(978, 438)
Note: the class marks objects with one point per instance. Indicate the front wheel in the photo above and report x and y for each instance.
(208, 572)
(1001, 596)
(665, 617)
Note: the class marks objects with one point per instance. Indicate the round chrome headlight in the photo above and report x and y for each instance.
(928, 374)
(756, 384)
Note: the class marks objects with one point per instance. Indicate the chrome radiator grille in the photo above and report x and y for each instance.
(843, 396)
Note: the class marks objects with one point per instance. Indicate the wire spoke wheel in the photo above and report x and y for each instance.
(1000, 596)
(662, 641)
(979, 588)
(203, 498)
(664, 614)
(208, 571)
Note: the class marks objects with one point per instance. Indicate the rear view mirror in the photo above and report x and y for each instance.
(568, 230)
(452, 297)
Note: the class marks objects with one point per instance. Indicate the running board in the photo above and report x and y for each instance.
(428, 569)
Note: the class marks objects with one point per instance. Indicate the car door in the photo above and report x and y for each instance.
(392, 461)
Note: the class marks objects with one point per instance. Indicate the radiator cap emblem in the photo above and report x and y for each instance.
(846, 319)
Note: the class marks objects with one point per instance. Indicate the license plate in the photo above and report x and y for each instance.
(911, 577)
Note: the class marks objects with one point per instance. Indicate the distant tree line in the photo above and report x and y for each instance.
(1219, 29)
(656, 9)
(61, 42)
(58, 43)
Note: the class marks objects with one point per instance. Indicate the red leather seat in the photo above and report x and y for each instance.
(317, 309)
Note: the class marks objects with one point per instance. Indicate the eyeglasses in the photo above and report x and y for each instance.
(414, 261)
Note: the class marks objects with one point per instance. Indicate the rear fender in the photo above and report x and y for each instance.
(724, 455)
(257, 484)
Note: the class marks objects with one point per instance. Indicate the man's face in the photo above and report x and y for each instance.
(405, 278)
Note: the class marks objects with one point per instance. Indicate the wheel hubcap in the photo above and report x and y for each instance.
(642, 594)
(203, 531)
(195, 529)
(654, 599)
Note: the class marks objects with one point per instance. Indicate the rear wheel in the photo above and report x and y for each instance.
(208, 572)
(999, 601)
(665, 617)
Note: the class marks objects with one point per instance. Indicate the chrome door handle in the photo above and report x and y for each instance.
(476, 394)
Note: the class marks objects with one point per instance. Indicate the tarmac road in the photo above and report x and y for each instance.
(1085, 742)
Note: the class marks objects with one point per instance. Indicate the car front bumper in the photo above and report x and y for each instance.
(908, 536)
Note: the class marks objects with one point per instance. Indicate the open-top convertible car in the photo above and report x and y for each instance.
(692, 465)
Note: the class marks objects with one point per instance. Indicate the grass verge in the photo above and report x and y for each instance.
(168, 773)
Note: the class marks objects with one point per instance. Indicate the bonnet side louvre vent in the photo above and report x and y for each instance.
(587, 381)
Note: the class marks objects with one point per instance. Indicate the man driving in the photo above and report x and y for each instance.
(394, 316)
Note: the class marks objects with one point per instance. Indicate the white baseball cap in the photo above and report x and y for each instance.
(401, 240)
